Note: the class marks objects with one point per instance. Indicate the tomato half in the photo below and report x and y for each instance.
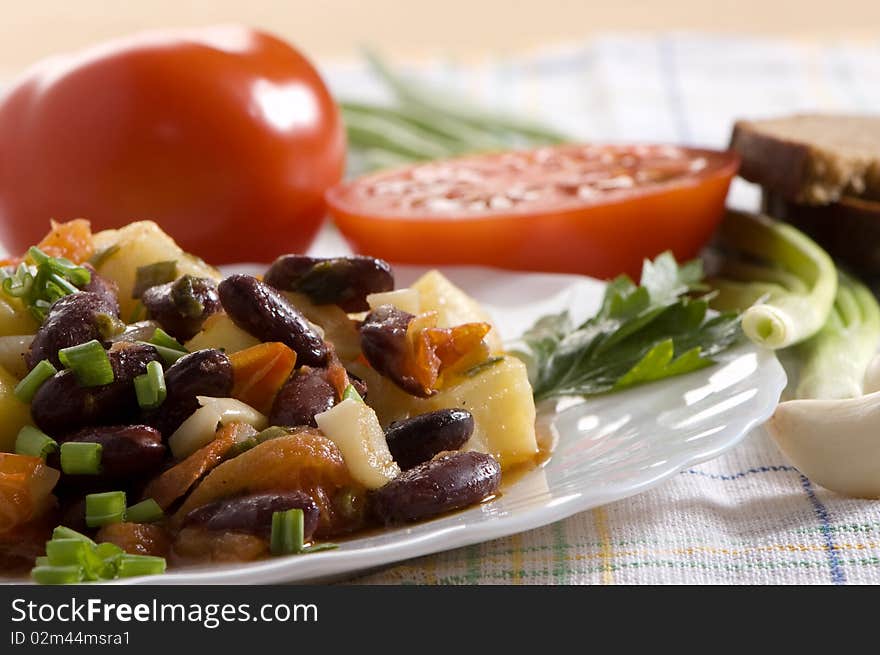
(225, 136)
(598, 210)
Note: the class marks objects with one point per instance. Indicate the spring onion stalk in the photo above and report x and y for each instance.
(130, 566)
(168, 355)
(62, 532)
(423, 125)
(57, 574)
(150, 387)
(152, 275)
(796, 281)
(162, 338)
(67, 552)
(81, 458)
(413, 94)
(834, 361)
(89, 363)
(351, 392)
(105, 508)
(34, 443)
(146, 511)
(31, 383)
(287, 532)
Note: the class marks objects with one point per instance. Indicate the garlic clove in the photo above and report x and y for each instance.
(835, 443)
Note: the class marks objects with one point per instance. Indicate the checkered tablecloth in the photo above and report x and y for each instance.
(748, 516)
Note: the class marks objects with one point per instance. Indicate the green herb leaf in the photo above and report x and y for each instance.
(640, 334)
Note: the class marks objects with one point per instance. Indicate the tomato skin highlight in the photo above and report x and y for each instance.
(600, 238)
(225, 136)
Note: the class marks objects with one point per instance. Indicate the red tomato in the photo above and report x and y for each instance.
(595, 210)
(225, 136)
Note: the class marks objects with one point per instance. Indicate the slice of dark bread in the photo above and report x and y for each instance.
(811, 159)
(848, 229)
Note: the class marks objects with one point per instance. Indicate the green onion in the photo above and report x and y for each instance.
(351, 392)
(57, 574)
(105, 508)
(163, 339)
(97, 260)
(798, 280)
(34, 443)
(89, 363)
(66, 552)
(152, 275)
(31, 383)
(287, 532)
(130, 566)
(146, 511)
(168, 355)
(150, 387)
(81, 458)
(834, 361)
(62, 532)
(41, 561)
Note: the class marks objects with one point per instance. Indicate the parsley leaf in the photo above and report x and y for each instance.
(640, 334)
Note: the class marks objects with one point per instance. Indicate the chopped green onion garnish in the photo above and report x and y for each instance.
(152, 275)
(351, 392)
(287, 532)
(28, 387)
(272, 432)
(168, 355)
(162, 338)
(105, 508)
(62, 532)
(57, 574)
(81, 458)
(150, 387)
(89, 363)
(34, 443)
(146, 511)
(41, 561)
(66, 552)
(130, 566)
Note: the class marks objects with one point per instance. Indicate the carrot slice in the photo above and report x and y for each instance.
(71, 240)
(179, 479)
(259, 372)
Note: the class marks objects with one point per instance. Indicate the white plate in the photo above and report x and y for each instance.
(608, 447)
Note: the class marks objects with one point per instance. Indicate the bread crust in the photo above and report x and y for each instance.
(811, 159)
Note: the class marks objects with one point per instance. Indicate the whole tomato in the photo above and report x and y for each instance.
(225, 136)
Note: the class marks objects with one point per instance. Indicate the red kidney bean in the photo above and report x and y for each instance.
(306, 393)
(387, 349)
(418, 439)
(265, 313)
(107, 289)
(200, 373)
(182, 306)
(61, 405)
(253, 513)
(343, 281)
(449, 482)
(127, 451)
(73, 320)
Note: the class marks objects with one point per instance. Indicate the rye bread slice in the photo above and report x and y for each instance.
(811, 159)
(848, 229)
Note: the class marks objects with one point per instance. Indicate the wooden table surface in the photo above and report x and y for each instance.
(334, 28)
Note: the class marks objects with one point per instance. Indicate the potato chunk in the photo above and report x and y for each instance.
(140, 244)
